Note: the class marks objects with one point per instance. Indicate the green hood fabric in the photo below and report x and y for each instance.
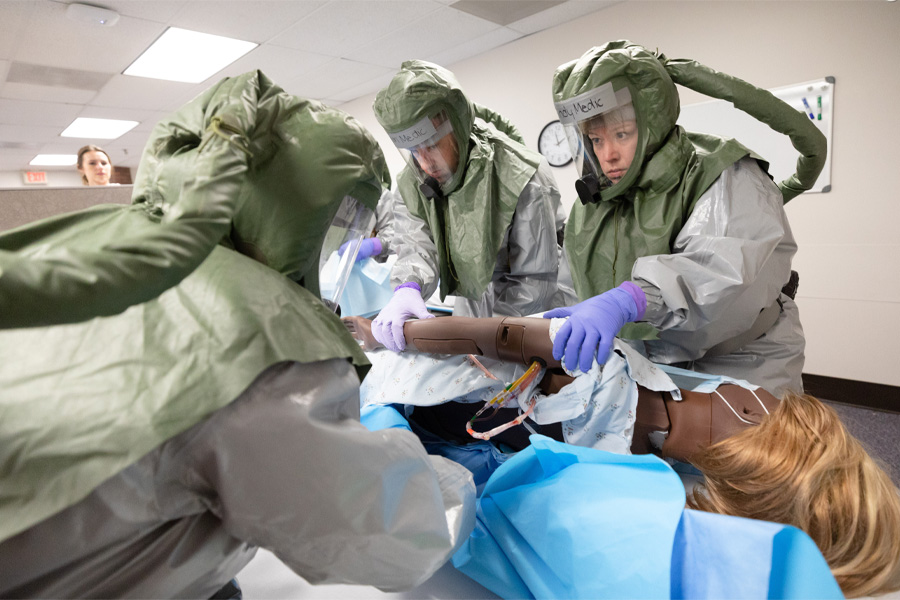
(82, 401)
(642, 214)
(469, 223)
(305, 156)
(502, 124)
(191, 199)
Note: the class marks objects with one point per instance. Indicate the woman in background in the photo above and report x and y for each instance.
(94, 165)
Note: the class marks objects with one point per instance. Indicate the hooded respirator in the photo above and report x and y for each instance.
(431, 150)
(625, 94)
(601, 127)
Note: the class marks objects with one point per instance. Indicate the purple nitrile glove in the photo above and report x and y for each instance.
(406, 302)
(594, 323)
(368, 247)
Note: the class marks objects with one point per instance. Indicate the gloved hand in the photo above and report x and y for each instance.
(594, 323)
(406, 302)
(368, 247)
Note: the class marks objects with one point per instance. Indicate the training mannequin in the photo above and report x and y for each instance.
(693, 423)
(768, 467)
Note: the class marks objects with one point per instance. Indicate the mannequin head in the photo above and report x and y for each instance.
(801, 467)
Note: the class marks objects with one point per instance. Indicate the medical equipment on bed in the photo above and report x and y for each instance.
(523, 387)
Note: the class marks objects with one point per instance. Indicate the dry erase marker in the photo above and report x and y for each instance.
(820, 107)
(808, 109)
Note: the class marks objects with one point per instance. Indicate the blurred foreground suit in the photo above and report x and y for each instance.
(175, 394)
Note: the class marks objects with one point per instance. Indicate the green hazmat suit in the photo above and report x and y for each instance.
(232, 201)
(496, 176)
(240, 188)
(643, 214)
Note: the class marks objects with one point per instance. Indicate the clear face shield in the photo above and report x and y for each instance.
(602, 130)
(352, 223)
(431, 150)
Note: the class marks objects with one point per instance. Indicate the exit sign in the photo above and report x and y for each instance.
(34, 177)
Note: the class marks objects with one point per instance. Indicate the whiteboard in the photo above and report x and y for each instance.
(720, 117)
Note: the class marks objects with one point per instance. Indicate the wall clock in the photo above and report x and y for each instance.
(553, 145)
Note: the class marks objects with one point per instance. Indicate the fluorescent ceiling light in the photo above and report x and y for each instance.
(101, 129)
(188, 56)
(54, 160)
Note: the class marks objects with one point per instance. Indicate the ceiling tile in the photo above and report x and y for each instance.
(333, 78)
(503, 12)
(61, 145)
(122, 114)
(148, 123)
(563, 13)
(43, 93)
(20, 72)
(158, 11)
(257, 21)
(143, 93)
(15, 15)
(279, 64)
(493, 39)
(368, 87)
(341, 27)
(50, 38)
(24, 112)
(440, 31)
(18, 147)
(28, 133)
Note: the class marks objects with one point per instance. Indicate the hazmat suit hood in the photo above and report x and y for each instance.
(472, 211)
(642, 213)
(630, 70)
(152, 324)
(295, 181)
(419, 91)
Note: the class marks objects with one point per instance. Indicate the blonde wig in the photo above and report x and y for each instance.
(801, 467)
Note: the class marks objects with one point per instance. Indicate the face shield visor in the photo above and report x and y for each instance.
(602, 130)
(431, 150)
(352, 223)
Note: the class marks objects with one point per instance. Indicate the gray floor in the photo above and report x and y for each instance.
(878, 431)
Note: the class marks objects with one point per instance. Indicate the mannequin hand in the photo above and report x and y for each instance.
(406, 302)
(368, 247)
(594, 323)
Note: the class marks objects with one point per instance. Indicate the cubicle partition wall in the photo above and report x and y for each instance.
(19, 206)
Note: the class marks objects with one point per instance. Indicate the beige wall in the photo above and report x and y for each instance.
(849, 258)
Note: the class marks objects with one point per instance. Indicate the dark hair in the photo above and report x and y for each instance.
(82, 151)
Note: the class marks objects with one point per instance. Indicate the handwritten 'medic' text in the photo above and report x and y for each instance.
(576, 107)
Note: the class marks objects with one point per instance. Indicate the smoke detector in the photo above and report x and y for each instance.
(95, 15)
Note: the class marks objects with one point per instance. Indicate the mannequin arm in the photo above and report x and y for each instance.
(510, 339)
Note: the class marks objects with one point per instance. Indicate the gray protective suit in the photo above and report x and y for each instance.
(737, 248)
(695, 221)
(384, 222)
(525, 274)
(187, 516)
(488, 231)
